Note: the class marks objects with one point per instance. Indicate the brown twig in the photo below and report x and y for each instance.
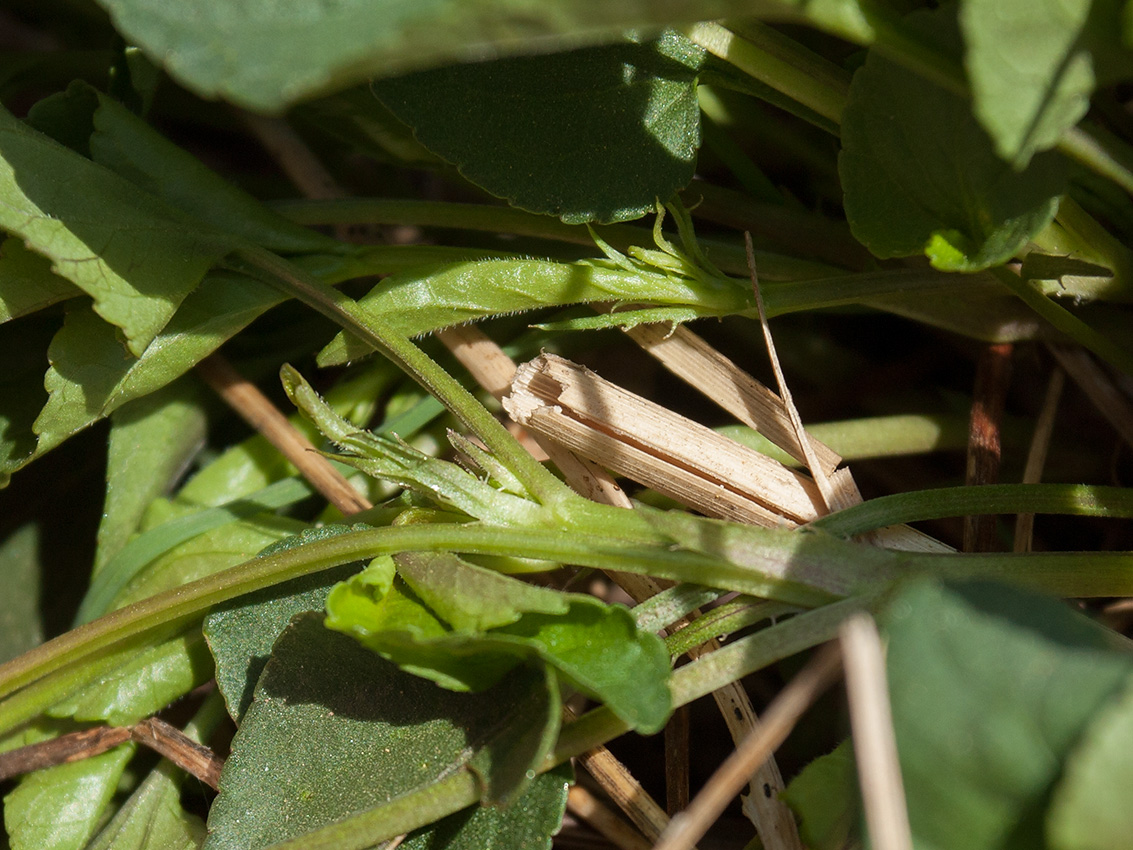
(169, 741)
(74, 746)
(731, 776)
(821, 478)
(258, 411)
(993, 372)
(159, 736)
(1099, 388)
(585, 806)
(676, 761)
(625, 791)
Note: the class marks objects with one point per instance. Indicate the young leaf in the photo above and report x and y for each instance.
(921, 175)
(91, 375)
(341, 731)
(268, 56)
(992, 688)
(593, 646)
(136, 257)
(391, 459)
(241, 633)
(1033, 67)
(60, 808)
(1088, 810)
(472, 599)
(596, 134)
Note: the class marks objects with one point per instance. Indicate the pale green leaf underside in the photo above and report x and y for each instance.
(150, 443)
(1030, 72)
(266, 56)
(59, 808)
(152, 818)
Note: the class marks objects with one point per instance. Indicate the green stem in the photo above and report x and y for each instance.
(784, 556)
(724, 620)
(1101, 153)
(1066, 321)
(1070, 499)
(783, 64)
(637, 549)
(374, 331)
(493, 219)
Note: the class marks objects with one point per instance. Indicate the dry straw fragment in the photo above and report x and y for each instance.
(657, 447)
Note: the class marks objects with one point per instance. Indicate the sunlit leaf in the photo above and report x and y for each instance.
(136, 257)
(594, 646)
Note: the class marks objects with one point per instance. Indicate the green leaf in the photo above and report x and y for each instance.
(241, 633)
(60, 808)
(136, 257)
(991, 689)
(921, 176)
(471, 599)
(151, 441)
(268, 56)
(593, 646)
(130, 147)
(21, 625)
(438, 297)
(208, 553)
(27, 283)
(152, 818)
(1030, 69)
(527, 823)
(1089, 810)
(91, 374)
(341, 731)
(597, 134)
(825, 797)
(145, 684)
